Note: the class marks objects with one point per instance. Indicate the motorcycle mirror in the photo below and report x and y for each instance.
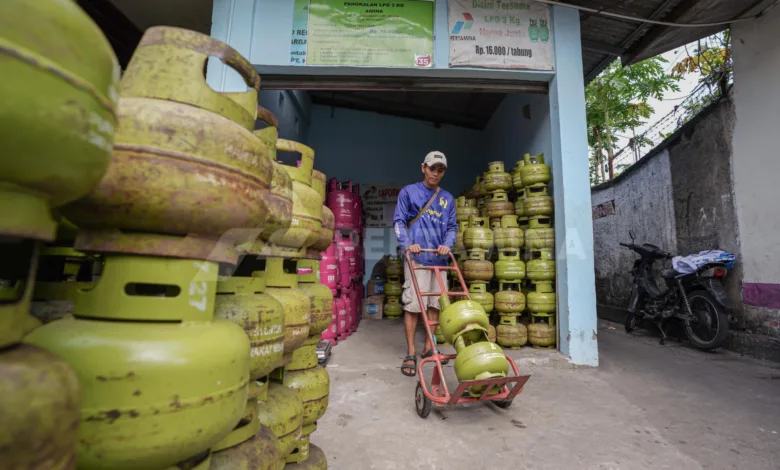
(632, 235)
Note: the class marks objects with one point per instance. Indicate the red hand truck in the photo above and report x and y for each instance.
(437, 394)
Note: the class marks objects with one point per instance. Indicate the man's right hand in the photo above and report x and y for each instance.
(415, 249)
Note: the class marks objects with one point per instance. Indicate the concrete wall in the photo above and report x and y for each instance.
(756, 168)
(293, 110)
(643, 203)
(520, 125)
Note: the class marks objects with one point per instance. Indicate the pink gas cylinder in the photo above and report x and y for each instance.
(345, 247)
(329, 268)
(341, 201)
(342, 329)
(331, 332)
(357, 209)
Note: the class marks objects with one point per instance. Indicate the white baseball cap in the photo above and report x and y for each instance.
(435, 157)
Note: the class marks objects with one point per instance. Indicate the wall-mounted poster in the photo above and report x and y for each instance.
(379, 204)
(299, 32)
(496, 34)
(370, 34)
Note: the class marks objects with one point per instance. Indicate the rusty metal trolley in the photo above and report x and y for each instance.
(438, 394)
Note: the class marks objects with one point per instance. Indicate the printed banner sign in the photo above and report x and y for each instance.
(299, 32)
(368, 34)
(605, 209)
(379, 204)
(496, 34)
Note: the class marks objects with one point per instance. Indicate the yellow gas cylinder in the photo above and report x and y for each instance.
(313, 385)
(509, 299)
(393, 286)
(439, 335)
(395, 267)
(507, 234)
(542, 267)
(539, 234)
(537, 202)
(482, 207)
(478, 234)
(542, 299)
(243, 301)
(477, 268)
(541, 332)
(499, 205)
(307, 203)
(496, 179)
(523, 222)
(517, 175)
(61, 274)
(492, 333)
(478, 293)
(393, 307)
(161, 379)
(261, 452)
(519, 208)
(319, 184)
(281, 278)
(459, 245)
(325, 236)
(320, 296)
(282, 412)
(477, 191)
(280, 194)
(510, 333)
(534, 170)
(466, 209)
(509, 268)
(316, 461)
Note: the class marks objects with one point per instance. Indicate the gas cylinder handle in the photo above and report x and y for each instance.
(267, 117)
(303, 172)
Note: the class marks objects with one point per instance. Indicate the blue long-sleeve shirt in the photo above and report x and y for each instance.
(436, 227)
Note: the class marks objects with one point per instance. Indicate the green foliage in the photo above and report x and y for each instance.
(617, 101)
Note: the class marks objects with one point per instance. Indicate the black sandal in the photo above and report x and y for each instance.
(430, 353)
(409, 370)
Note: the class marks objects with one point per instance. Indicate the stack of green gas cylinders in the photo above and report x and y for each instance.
(534, 208)
(180, 292)
(393, 287)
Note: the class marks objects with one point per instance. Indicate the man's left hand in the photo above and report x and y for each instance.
(443, 250)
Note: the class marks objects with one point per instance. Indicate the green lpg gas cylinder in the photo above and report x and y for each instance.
(466, 210)
(394, 267)
(317, 461)
(247, 427)
(39, 410)
(282, 412)
(280, 195)
(519, 207)
(542, 268)
(537, 202)
(478, 234)
(478, 292)
(319, 183)
(282, 280)
(464, 318)
(509, 299)
(511, 334)
(492, 333)
(58, 113)
(477, 361)
(535, 171)
(393, 287)
(393, 307)
(517, 178)
(477, 268)
(459, 246)
(325, 236)
(477, 191)
(320, 296)
(439, 335)
(541, 333)
(499, 205)
(19, 258)
(62, 273)
(543, 299)
(153, 393)
(507, 234)
(313, 385)
(539, 234)
(496, 179)
(242, 300)
(509, 268)
(307, 204)
(304, 357)
(261, 452)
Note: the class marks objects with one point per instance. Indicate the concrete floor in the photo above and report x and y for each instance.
(647, 406)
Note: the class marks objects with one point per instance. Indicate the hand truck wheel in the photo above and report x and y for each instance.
(422, 403)
(503, 404)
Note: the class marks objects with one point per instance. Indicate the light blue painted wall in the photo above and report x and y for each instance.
(573, 223)
(509, 134)
(293, 110)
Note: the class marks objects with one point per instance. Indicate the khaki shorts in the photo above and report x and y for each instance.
(426, 281)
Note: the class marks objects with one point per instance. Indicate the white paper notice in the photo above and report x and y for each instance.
(509, 34)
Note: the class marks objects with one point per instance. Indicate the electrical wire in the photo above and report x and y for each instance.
(596, 11)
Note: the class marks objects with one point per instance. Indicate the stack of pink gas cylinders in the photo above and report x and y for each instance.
(343, 265)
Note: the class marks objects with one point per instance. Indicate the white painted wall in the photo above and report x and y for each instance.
(756, 155)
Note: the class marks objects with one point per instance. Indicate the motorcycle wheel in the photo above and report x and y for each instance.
(711, 327)
(632, 320)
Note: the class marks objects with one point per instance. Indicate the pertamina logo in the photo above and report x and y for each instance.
(460, 26)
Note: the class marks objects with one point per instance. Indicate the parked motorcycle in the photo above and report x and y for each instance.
(697, 299)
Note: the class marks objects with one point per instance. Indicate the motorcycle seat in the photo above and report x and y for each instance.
(670, 273)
